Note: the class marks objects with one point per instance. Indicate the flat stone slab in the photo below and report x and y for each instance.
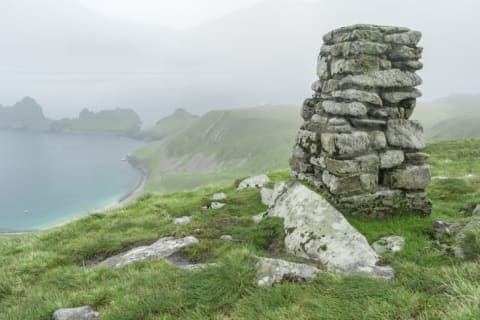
(316, 230)
(271, 271)
(80, 313)
(163, 248)
(254, 182)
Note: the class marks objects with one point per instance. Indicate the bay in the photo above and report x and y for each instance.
(48, 179)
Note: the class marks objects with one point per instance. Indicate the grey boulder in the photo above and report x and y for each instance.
(316, 230)
(219, 196)
(271, 271)
(80, 313)
(407, 134)
(182, 220)
(254, 182)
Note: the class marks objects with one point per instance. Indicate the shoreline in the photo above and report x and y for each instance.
(124, 201)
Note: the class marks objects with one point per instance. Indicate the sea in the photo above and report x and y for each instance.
(48, 179)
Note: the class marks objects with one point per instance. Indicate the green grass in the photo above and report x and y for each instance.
(43, 271)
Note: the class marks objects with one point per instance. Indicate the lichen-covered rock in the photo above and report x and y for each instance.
(391, 158)
(389, 244)
(80, 313)
(410, 178)
(444, 229)
(271, 271)
(406, 134)
(363, 99)
(316, 230)
(254, 182)
(389, 79)
(163, 248)
(467, 243)
(354, 109)
(358, 95)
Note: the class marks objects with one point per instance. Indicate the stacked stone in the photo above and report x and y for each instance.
(357, 141)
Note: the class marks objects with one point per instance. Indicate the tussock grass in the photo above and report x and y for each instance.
(43, 271)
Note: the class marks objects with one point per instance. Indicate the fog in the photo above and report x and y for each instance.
(156, 56)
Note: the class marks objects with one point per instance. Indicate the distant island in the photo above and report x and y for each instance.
(27, 115)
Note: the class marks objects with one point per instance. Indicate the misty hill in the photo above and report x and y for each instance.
(453, 117)
(172, 124)
(27, 115)
(220, 146)
(117, 122)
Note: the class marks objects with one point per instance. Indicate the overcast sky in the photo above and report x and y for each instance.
(158, 55)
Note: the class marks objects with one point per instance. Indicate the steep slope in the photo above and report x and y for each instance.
(220, 146)
(453, 117)
(174, 123)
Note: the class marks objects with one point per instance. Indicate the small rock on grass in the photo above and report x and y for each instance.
(226, 237)
(219, 196)
(254, 182)
(389, 244)
(259, 217)
(446, 228)
(182, 220)
(80, 313)
(217, 205)
(271, 271)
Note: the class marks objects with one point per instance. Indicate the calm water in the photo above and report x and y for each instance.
(46, 179)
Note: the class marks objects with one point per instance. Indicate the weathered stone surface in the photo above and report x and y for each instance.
(407, 64)
(226, 237)
(266, 196)
(361, 64)
(358, 95)
(397, 96)
(353, 49)
(372, 124)
(467, 242)
(405, 53)
(338, 125)
(391, 158)
(183, 220)
(393, 78)
(163, 248)
(316, 230)
(416, 157)
(271, 271)
(354, 35)
(376, 204)
(217, 205)
(354, 109)
(259, 217)
(418, 202)
(254, 182)
(219, 196)
(322, 68)
(329, 86)
(307, 140)
(362, 164)
(390, 244)
(444, 229)
(350, 184)
(410, 178)
(80, 313)
(351, 144)
(308, 109)
(407, 134)
(411, 38)
(333, 36)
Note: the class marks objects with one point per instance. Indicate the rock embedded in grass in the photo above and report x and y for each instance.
(226, 237)
(266, 196)
(271, 271)
(254, 182)
(80, 313)
(317, 231)
(219, 196)
(163, 248)
(390, 244)
(183, 220)
(217, 205)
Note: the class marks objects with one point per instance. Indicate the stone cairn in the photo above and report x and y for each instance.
(357, 141)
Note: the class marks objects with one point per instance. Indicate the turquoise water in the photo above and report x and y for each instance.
(47, 179)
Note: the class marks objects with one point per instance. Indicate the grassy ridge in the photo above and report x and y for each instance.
(221, 146)
(44, 271)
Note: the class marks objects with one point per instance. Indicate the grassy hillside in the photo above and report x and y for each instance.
(450, 118)
(44, 271)
(220, 146)
(173, 124)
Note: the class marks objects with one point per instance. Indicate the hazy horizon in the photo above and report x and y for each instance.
(205, 55)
